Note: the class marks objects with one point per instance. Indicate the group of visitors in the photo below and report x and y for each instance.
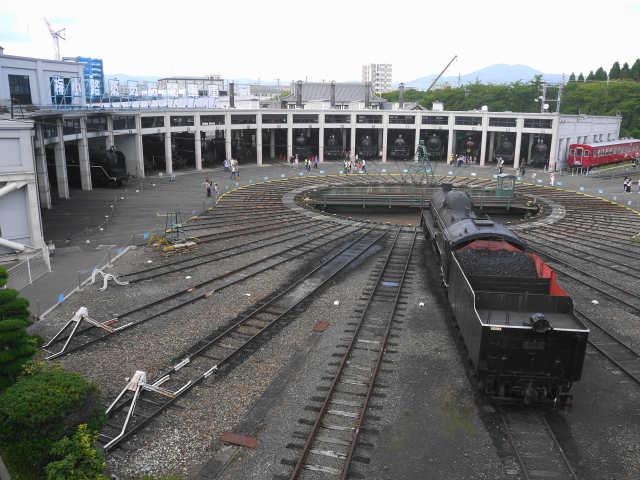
(353, 163)
(234, 169)
(626, 185)
(462, 160)
(211, 187)
(295, 160)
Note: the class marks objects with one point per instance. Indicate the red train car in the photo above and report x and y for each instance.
(595, 154)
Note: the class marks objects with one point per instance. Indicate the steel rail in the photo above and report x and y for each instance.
(222, 362)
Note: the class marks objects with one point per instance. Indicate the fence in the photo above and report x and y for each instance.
(28, 271)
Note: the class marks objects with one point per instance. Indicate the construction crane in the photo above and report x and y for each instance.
(56, 38)
(438, 77)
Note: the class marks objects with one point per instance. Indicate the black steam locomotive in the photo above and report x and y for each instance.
(367, 149)
(505, 151)
(153, 148)
(521, 332)
(400, 150)
(333, 148)
(300, 147)
(468, 146)
(108, 167)
(435, 147)
(539, 155)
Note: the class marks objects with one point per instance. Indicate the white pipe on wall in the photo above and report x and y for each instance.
(18, 247)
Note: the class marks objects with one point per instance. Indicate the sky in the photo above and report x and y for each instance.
(328, 39)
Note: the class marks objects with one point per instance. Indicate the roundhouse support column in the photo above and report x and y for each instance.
(380, 141)
(137, 146)
(528, 157)
(321, 138)
(83, 154)
(168, 157)
(352, 147)
(41, 170)
(289, 135)
(483, 142)
(61, 165)
(492, 140)
(227, 135)
(516, 153)
(259, 139)
(452, 139)
(385, 136)
(418, 122)
(272, 143)
(198, 141)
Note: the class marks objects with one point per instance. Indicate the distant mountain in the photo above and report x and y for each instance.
(499, 73)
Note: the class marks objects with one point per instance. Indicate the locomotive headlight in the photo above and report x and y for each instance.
(540, 323)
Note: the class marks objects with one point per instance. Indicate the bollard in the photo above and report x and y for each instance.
(79, 286)
(38, 301)
(109, 257)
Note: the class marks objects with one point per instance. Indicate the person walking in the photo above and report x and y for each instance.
(208, 185)
(364, 169)
(315, 162)
(215, 191)
(306, 165)
(552, 178)
(296, 162)
(226, 165)
(523, 169)
(626, 186)
(233, 171)
(638, 185)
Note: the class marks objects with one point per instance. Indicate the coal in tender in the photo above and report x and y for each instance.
(504, 263)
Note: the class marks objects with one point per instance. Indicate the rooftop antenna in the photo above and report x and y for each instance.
(56, 38)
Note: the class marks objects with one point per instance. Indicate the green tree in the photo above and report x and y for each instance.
(572, 77)
(614, 73)
(16, 346)
(600, 74)
(635, 68)
(624, 73)
(591, 76)
(80, 460)
(581, 77)
(39, 409)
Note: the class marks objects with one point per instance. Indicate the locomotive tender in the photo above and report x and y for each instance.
(521, 333)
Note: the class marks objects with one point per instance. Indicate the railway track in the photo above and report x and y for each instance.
(330, 447)
(128, 415)
(536, 448)
(82, 338)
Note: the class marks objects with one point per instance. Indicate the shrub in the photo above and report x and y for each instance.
(80, 461)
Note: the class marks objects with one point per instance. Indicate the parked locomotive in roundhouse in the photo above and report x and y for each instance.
(301, 148)
(400, 150)
(435, 147)
(539, 155)
(469, 146)
(505, 151)
(367, 149)
(333, 148)
(521, 332)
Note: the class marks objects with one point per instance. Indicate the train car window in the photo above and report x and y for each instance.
(433, 120)
(243, 119)
(538, 123)
(572, 151)
(305, 118)
(502, 122)
(211, 119)
(586, 153)
(180, 121)
(369, 119)
(340, 118)
(152, 122)
(468, 120)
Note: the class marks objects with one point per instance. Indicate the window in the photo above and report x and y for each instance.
(152, 122)
(502, 122)
(433, 120)
(124, 123)
(20, 89)
(402, 119)
(305, 118)
(469, 121)
(243, 119)
(535, 123)
(586, 153)
(339, 118)
(274, 118)
(211, 119)
(368, 119)
(186, 121)
(71, 126)
(572, 151)
(50, 128)
(96, 124)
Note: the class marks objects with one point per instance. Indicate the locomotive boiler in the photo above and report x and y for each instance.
(333, 148)
(435, 147)
(367, 149)
(539, 155)
(300, 146)
(468, 146)
(400, 150)
(519, 327)
(505, 151)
